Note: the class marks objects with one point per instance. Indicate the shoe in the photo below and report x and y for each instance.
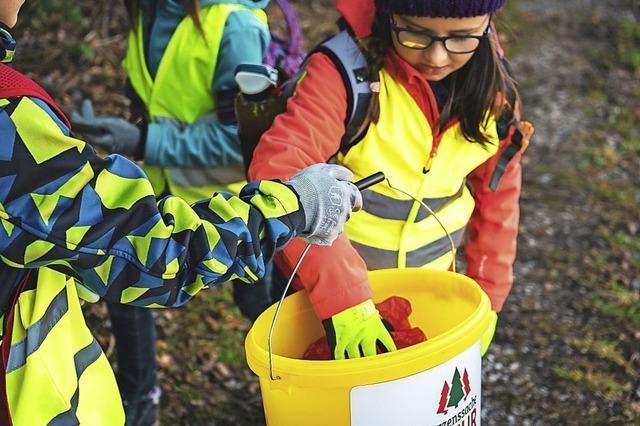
(144, 411)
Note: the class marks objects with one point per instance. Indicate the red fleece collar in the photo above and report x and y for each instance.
(403, 70)
(415, 83)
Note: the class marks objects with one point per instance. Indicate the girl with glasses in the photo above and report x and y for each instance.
(441, 127)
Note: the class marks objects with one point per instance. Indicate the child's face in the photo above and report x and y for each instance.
(436, 62)
(9, 11)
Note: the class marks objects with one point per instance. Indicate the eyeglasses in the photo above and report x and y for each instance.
(421, 40)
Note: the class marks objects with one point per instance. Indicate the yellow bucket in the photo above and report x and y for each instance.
(436, 382)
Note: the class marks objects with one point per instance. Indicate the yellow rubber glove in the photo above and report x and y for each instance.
(356, 331)
(487, 336)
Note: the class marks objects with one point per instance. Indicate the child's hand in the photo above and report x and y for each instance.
(357, 331)
(327, 197)
(111, 134)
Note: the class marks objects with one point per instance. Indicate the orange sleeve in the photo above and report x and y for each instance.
(493, 229)
(310, 132)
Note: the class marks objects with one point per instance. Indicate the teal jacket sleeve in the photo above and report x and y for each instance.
(64, 207)
(212, 140)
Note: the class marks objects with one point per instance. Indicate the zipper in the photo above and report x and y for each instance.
(434, 151)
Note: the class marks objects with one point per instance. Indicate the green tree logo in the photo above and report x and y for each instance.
(456, 393)
(451, 395)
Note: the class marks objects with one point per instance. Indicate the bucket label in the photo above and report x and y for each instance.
(445, 395)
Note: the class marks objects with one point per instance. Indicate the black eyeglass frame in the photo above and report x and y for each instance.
(397, 30)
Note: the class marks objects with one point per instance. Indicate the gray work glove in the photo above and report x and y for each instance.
(112, 134)
(327, 197)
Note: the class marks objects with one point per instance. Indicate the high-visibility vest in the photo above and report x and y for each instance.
(56, 372)
(181, 92)
(393, 230)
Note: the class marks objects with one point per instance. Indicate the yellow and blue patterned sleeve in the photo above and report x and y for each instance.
(64, 207)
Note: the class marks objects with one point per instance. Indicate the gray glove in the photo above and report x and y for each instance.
(112, 134)
(327, 197)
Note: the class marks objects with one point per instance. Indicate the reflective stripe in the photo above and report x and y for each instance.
(376, 258)
(37, 332)
(391, 208)
(434, 250)
(86, 356)
(82, 359)
(437, 204)
(68, 418)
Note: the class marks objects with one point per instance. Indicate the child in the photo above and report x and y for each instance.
(69, 217)
(179, 62)
(439, 88)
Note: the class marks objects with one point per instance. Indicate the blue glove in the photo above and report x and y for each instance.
(327, 197)
(111, 134)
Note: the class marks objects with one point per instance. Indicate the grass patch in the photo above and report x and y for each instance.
(518, 31)
(622, 37)
(597, 381)
(621, 306)
(230, 344)
(602, 349)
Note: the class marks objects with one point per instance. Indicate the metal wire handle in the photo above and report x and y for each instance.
(423, 204)
(275, 315)
(361, 184)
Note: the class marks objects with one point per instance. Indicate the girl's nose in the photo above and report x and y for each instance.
(436, 54)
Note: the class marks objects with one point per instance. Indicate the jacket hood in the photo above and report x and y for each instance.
(358, 14)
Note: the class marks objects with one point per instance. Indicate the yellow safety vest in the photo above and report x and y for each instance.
(181, 91)
(393, 230)
(57, 373)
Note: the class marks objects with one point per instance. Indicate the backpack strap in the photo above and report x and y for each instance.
(14, 83)
(508, 124)
(522, 131)
(348, 58)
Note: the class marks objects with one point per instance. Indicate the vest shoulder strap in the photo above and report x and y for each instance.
(351, 63)
(14, 83)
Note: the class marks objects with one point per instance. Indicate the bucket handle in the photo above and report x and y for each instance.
(430, 210)
(361, 184)
(275, 315)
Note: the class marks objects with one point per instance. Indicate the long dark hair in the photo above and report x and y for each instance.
(474, 88)
(191, 6)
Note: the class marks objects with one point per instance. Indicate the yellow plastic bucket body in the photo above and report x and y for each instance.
(450, 308)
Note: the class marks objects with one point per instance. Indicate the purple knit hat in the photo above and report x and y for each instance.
(439, 8)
